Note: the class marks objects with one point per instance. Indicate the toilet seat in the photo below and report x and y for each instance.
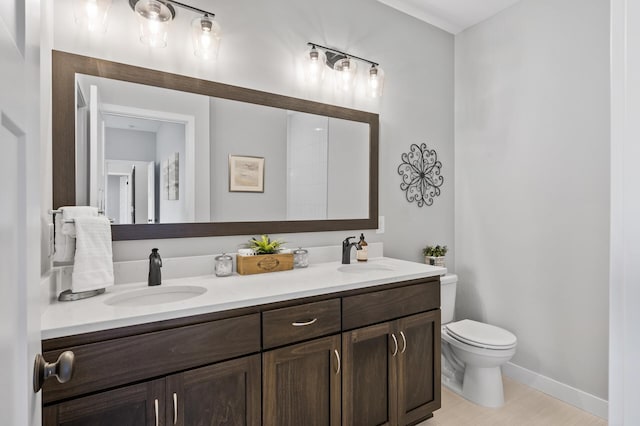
(481, 335)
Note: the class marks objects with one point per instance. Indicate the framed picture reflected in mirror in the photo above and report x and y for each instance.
(246, 174)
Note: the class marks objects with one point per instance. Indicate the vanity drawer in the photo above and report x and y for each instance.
(371, 308)
(120, 361)
(293, 324)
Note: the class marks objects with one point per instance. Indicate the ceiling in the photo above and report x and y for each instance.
(453, 16)
(131, 123)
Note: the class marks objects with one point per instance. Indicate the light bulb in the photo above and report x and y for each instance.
(92, 14)
(205, 34)
(91, 9)
(154, 17)
(346, 70)
(376, 81)
(314, 66)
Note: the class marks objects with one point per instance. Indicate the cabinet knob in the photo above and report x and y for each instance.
(62, 369)
(404, 342)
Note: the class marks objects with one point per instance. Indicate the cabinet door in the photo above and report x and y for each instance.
(137, 405)
(418, 366)
(369, 385)
(301, 384)
(227, 393)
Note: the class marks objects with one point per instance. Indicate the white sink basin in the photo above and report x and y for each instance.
(362, 268)
(155, 295)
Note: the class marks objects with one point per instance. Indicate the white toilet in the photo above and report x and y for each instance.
(472, 352)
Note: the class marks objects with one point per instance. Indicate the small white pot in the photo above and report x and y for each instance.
(434, 260)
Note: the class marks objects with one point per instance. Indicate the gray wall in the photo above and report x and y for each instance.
(239, 128)
(126, 144)
(262, 42)
(532, 184)
(171, 139)
(348, 178)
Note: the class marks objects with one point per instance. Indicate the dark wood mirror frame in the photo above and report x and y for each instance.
(66, 65)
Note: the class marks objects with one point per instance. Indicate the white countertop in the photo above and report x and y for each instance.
(223, 293)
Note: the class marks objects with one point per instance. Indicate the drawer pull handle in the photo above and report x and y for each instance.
(304, 323)
(395, 342)
(404, 342)
(155, 403)
(175, 408)
(335, 351)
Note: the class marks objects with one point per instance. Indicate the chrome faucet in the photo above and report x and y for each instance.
(346, 250)
(155, 263)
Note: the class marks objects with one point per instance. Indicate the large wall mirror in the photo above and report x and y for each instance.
(168, 156)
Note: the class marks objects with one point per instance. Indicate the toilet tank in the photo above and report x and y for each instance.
(448, 285)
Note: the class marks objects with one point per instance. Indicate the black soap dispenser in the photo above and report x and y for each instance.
(155, 263)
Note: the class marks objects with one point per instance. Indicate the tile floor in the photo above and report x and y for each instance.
(524, 406)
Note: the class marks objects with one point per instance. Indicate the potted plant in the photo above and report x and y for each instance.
(434, 255)
(264, 245)
(268, 258)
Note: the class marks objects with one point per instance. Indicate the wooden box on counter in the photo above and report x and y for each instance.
(259, 264)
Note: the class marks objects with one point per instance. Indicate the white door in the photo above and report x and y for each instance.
(125, 203)
(96, 150)
(20, 210)
(151, 192)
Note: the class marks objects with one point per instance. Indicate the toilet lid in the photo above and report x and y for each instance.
(481, 334)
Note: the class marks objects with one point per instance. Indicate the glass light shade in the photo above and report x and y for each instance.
(345, 74)
(154, 17)
(92, 14)
(314, 66)
(206, 35)
(375, 82)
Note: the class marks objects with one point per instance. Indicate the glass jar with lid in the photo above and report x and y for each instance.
(300, 258)
(224, 265)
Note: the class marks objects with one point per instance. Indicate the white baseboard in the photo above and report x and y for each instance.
(580, 399)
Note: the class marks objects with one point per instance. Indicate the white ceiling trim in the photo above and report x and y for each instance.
(423, 15)
(452, 16)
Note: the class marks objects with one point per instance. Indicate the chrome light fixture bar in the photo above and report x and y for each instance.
(345, 66)
(154, 17)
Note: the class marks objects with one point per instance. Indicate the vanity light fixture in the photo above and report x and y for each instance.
(206, 37)
(314, 65)
(154, 17)
(345, 67)
(92, 14)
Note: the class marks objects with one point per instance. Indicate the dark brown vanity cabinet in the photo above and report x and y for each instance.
(388, 376)
(369, 378)
(184, 374)
(354, 358)
(127, 406)
(301, 384)
(391, 373)
(418, 370)
(301, 381)
(226, 393)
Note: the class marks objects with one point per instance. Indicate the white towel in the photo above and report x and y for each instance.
(65, 243)
(93, 265)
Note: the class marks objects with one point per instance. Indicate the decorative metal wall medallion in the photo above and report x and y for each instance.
(420, 171)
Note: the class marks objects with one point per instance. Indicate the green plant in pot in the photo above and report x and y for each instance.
(264, 245)
(434, 255)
